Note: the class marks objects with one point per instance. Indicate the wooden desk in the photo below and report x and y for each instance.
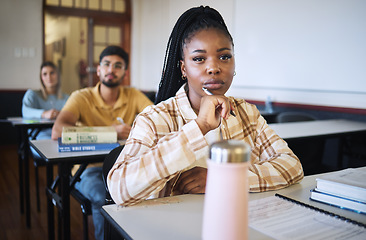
(26, 128)
(180, 217)
(48, 150)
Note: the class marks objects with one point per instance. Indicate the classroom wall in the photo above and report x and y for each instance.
(20, 43)
(151, 27)
(310, 52)
(305, 52)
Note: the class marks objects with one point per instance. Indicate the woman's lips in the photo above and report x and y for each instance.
(213, 85)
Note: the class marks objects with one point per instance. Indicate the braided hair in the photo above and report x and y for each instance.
(189, 23)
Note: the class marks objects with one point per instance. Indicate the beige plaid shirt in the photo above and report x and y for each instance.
(165, 139)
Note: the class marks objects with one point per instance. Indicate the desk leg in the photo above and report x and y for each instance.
(26, 176)
(20, 167)
(64, 173)
(50, 211)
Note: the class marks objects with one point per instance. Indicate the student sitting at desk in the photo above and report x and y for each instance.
(102, 105)
(46, 102)
(167, 149)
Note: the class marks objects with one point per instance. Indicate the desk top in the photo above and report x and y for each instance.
(180, 217)
(318, 128)
(19, 121)
(48, 150)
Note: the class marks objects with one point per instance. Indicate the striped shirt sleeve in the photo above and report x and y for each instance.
(153, 155)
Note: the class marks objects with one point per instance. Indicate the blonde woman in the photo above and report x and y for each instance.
(47, 101)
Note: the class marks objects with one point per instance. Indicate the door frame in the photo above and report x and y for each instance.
(122, 20)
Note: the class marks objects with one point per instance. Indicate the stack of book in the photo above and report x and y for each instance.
(345, 189)
(75, 139)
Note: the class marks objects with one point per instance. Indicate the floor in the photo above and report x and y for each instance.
(12, 222)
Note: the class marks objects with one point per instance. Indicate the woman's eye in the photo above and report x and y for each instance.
(198, 59)
(225, 57)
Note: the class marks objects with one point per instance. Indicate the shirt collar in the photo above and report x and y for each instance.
(99, 102)
(184, 105)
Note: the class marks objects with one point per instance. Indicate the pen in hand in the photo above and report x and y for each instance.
(120, 120)
(210, 93)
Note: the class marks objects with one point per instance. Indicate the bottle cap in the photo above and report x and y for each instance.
(230, 151)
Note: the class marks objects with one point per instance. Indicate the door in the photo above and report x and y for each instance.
(102, 35)
(75, 35)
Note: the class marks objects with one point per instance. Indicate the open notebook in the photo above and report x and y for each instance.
(284, 218)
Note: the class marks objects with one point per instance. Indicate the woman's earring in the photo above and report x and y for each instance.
(184, 78)
(234, 73)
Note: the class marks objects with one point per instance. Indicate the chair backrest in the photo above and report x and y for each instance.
(109, 160)
(150, 94)
(294, 117)
(309, 151)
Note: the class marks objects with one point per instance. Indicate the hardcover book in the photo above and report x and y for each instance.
(337, 201)
(80, 147)
(100, 134)
(348, 183)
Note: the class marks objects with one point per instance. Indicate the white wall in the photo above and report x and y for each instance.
(152, 22)
(311, 51)
(307, 52)
(149, 36)
(20, 43)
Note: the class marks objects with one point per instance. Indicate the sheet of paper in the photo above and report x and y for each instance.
(282, 219)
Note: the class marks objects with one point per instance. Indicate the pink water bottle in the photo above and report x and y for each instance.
(225, 212)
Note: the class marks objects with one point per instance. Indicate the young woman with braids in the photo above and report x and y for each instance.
(167, 149)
